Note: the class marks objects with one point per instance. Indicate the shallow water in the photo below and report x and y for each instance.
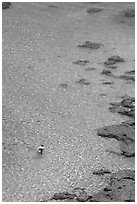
(40, 44)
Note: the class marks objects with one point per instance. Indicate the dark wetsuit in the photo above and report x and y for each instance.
(41, 148)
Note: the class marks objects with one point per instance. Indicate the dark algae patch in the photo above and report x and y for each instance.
(90, 45)
(6, 5)
(81, 62)
(94, 10)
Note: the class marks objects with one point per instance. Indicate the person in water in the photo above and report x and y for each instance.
(41, 149)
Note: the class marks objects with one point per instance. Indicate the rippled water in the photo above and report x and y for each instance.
(40, 44)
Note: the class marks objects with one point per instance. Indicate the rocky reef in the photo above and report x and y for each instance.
(120, 188)
(125, 107)
(124, 133)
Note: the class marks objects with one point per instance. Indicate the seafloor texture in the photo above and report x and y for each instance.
(68, 71)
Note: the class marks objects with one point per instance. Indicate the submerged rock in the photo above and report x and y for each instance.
(107, 72)
(127, 17)
(130, 13)
(81, 194)
(123, 174)
(124, 133)
(94, 10)
(127, 77)
(90, 69)
(125, 107)
(90, 45)
(108, 82)
(6, 5)
(63, 196)
(81, 62)
(109, 62)
(112, 66)
(128, 102)
(77, 195)
(116, 58)
(113, 60)
(100, 172)
(83, 81)
(132, 72)
(63, 85)
(52, 6)
(120, 189)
